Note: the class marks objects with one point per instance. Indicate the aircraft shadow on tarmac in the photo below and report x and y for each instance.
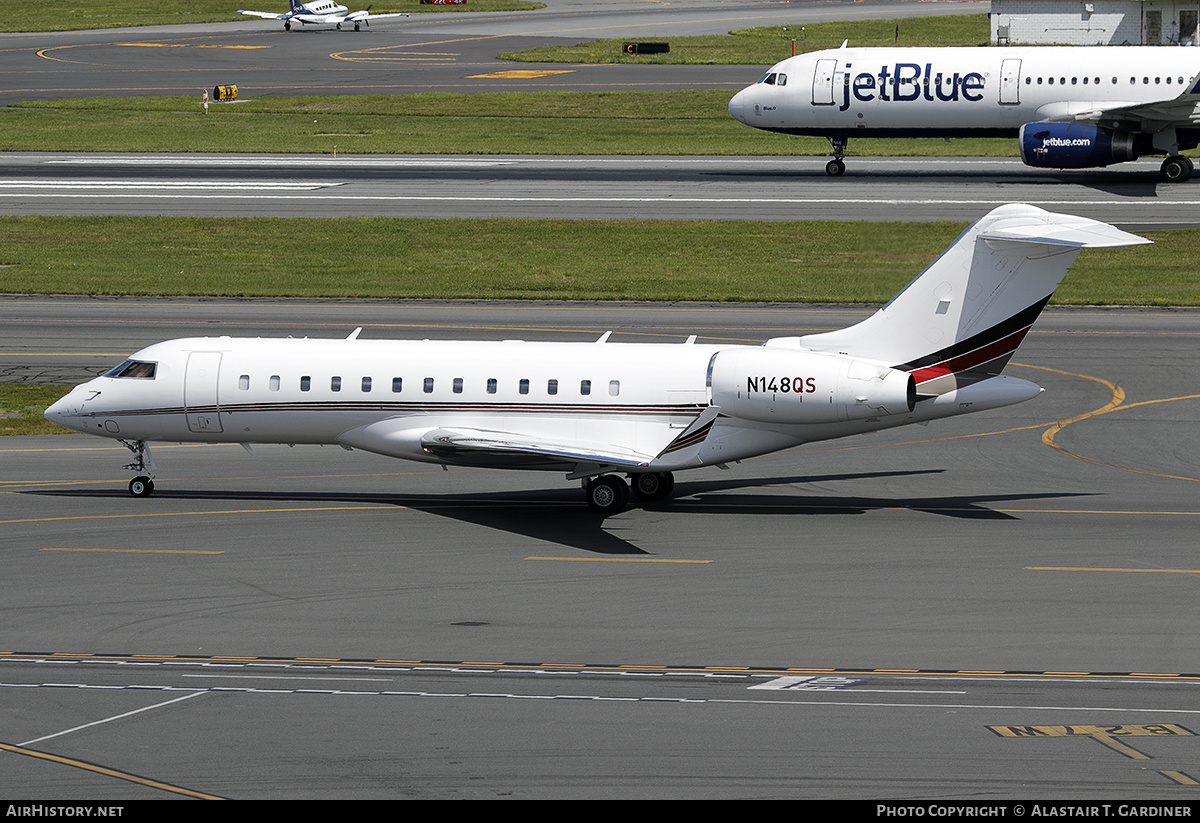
(560, 517)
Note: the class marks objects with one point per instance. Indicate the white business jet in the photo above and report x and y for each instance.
(321, 13)
(600, 410)
(1070, 108)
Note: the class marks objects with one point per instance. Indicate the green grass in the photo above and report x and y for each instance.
(642, 123)
(823, 262)
(21, 407)
(765, 46)
(94, 14)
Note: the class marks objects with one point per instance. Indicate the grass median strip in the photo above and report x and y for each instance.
(728, 260)
(768, 45)
(547, 123)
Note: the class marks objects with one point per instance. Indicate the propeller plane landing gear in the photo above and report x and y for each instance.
(143, 465)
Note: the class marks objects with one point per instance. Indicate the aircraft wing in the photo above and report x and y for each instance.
(478, 447)
(1181, 110)
(266, 15)
(355, 16)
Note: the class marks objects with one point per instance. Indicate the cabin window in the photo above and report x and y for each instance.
(457, 388)
(138, 369)
(614, 388)
(335, 384)
(1039, 81)
(244, 382)
(273, 383)
(491, 385)
(305, 383)
(1074, 81)
(523, 386)
(585, 387)
(1145, 81)
(1028, 80)
(366, 384)
(1050, 81)
(397, 384)
(429, 385)
(551, 387)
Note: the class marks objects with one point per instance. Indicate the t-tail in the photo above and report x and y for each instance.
(962, 319)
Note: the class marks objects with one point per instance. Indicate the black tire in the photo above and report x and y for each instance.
(356, 26)
(1175, 170)
(607, 494)
(835, 168)
(287, 26)
(141, 487)
(339, 26)
(652, 487)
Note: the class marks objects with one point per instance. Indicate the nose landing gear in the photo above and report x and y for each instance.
(143, 465)
(837, 167)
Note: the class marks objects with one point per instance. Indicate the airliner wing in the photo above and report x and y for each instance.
(478, 447)
(1183, 109)
(266, 15)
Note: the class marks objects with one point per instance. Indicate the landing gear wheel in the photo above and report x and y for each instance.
(607, 494)
(356, 26)
(835, 168)
(287, 26)
(652, 487)
(1176, 169)
(141, 487)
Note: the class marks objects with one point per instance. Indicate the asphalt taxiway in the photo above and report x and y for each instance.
(425, 52)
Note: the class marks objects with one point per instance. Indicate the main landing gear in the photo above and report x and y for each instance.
(143, 465)
(1176, 169)
(609, 493)
(837, 167)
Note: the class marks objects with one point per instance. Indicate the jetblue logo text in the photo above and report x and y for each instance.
(905, 82)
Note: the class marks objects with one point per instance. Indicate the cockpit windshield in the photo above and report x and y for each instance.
(139, 369)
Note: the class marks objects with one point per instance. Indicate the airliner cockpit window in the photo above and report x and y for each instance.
(782, 81)
(769, 79)
(139, 369)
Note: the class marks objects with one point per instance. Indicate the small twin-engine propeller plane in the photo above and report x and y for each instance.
(601, 410)
(1075, 107)
(321, 13)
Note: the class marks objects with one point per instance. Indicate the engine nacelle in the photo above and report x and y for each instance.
(781, 386)
(1075, 146)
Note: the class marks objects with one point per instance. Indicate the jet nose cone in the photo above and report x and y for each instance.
(64, 411)
(736, 106)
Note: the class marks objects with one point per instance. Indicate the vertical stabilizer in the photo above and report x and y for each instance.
(964, 316)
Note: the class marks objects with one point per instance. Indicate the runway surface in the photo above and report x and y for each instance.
(538, 650)
(682, 188)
